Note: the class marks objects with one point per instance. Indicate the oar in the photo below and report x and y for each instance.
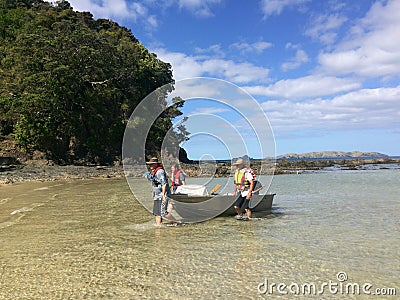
(216, 188)
(257, 190)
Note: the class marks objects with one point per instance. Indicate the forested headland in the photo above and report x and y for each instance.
(69, 83)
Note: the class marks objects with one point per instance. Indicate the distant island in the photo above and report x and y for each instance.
(297, 163)
(332, 155)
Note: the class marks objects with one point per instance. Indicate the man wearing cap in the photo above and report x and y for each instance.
(160, 189)
(244, 186)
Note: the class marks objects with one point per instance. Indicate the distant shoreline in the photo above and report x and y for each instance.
(290, 166)
(43, 171)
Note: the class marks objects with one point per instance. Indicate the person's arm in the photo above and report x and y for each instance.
(235, 184)
(250, 179)
(182, 178)
(164, 183)
(234, 188)
(164, 192)
(250, 189)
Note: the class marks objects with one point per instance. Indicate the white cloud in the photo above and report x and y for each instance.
(372, 48)
(123, 10)
(300, 58)
(257, 47)
(305, 87)
(200, 8)
(324, 28)
(118, 10)
(209, 111)
(235, 72)
(152, 21)
(214, 50)
(185, 66)
(275, 7)
(366, 108)
(192, 88)
(107, 8)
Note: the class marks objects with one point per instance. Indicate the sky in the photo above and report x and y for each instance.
(325, 73)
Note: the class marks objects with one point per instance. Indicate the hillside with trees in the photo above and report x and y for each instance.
(69, 83)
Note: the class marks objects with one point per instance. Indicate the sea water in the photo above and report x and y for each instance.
(329, 235)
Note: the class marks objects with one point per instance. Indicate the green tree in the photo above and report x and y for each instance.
(69, 83)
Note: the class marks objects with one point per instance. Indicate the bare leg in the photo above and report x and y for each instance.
(248, 213)
(238, 210)
(158, 220)
(170, 217)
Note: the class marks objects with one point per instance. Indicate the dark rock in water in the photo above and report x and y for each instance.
(7, 160)
(183, 156)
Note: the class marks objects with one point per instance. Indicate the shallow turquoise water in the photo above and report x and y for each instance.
(90, 239)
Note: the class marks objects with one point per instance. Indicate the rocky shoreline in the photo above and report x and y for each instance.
(42, 170)
(18, 166)
(19, 173)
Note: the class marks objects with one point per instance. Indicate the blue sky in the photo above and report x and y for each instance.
(326, 73)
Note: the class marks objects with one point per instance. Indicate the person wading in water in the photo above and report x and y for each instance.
(244, 186)
(160, 191)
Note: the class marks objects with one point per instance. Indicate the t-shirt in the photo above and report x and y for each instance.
(160, 179)
(248, 175)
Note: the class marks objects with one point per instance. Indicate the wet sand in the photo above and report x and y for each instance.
(67, 240)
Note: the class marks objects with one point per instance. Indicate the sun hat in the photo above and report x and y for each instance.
(152, 161)
(239, 162)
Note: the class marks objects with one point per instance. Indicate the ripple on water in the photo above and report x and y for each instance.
(93, 240)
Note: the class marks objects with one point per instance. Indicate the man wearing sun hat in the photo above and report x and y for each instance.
(160, 189)
(244, 186)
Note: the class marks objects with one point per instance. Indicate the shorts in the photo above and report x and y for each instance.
(160, 208)
(242, 202)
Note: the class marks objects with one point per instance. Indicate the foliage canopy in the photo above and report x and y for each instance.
(68, 82)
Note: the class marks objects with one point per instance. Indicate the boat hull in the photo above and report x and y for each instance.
(201, 208)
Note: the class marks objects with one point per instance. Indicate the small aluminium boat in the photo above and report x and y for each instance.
(192, 203)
